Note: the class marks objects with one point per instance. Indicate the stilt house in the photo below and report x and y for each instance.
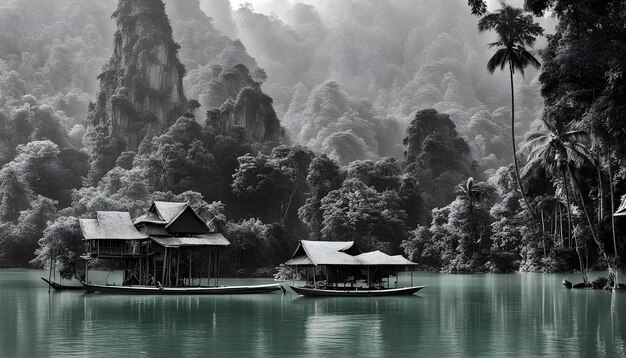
(169, 245)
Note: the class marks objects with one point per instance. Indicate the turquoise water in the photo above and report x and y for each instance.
(479, 315)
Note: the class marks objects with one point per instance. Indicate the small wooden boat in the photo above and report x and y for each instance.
(307, 291)
(58, 286)
(152, 290)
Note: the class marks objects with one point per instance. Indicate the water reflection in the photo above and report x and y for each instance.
(456, 315)
(355, 334)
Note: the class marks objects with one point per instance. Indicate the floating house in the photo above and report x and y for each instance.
(339, 268)
(168, 249)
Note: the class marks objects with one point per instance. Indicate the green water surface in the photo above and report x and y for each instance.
(481, 315)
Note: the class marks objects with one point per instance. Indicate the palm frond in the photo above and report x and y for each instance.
(536, 141)
(535, 135)
(499, 59)
(528, 58)
(538, 152)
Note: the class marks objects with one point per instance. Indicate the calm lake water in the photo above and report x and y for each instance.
(479, 315)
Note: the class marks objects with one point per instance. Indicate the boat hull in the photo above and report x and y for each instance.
(316, 292)
(151, 290)
(60, 287)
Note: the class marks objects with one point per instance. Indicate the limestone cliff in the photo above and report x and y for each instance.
(238, 101)
(141, 88)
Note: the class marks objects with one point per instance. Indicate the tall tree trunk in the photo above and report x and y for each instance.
(569, 213)
(543, 232)
(615, 284)
(591, 227)
(600, 192)
(583, 267)
(519, 181)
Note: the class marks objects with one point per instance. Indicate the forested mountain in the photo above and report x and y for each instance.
(375, 121)
(396, 57)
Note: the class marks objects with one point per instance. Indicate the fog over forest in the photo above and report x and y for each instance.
(369, 120)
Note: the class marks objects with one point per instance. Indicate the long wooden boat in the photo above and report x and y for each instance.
(58, 286)
(152, 290)
(306, 291)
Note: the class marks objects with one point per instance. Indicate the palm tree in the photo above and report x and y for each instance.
(609, 133)
(515, 31)
(557, 150)
(473, 193)
(545, 203)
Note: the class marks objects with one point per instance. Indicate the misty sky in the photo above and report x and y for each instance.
(267, 6)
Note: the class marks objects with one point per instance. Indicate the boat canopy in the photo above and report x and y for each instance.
(341, 253)
(110, 225)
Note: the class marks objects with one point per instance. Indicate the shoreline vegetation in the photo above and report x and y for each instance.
(459, 170)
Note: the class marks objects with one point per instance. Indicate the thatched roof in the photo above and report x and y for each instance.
(344, 253)
(110, 225)
(377, 258)
(150, 217)
(324, 253)
(213, 239)
(166, 212)
(169, 211)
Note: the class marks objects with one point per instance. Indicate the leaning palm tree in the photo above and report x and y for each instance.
(515, 31)
(559, 151)
(609, 133)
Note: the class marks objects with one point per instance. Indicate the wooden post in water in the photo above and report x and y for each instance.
(164, 263)
(327, 276)
(201, 266)
(190, 280)
(368, 277)
(314, 279)
(217, 267)
(397, 274)
(411, 276)
(178, 267)
(209, 274)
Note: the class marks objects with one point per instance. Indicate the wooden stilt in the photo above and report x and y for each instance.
(201, 267)
(209, 274)
(327, 277)
(178, 267)
(164, 266)
(217, 272)
(50, 273)
(397, 273)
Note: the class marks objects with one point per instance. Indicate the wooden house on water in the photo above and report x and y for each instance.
(169, 249)
(339, 268)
